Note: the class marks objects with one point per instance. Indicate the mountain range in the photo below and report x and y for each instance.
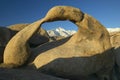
(65, 33)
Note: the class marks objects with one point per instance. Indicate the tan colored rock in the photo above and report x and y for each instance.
(86, 52)
(7, 33)
(39, 38)
(17, 27)
(115, 39)
(17, 50)
(55, 38)
(64, 13)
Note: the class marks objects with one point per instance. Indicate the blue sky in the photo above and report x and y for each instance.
(28, 11)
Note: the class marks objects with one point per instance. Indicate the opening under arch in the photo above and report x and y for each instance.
(60, 28)
(67, 25)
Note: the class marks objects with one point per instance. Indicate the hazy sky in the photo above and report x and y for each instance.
(28, 11)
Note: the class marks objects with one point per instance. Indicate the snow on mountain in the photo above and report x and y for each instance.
(61, 32)
(65, 33)
(113, 29)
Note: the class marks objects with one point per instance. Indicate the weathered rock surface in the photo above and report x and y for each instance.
(18, 50)
(86, 52)
(39, 38)
(115, 39)
(7, 33)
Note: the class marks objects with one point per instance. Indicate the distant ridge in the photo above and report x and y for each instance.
(113, 29)
(61, 32)
(65, 33)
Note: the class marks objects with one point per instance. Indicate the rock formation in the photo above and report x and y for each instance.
(21, 74)
(17, 51)
(87, 52)
(39, 38)
(7, 33)
(115, 41)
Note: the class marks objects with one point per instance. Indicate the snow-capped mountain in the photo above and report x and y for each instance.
(65, 33)
(61, 32)
(113, 29)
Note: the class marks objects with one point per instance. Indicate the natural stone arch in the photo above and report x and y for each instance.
(88, 47)
(79, 47)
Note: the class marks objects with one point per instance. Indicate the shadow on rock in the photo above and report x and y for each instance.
(74, 67)
(21, 74)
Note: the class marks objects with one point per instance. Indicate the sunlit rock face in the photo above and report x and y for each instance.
(39, 38)
(115, 39)
(17, 50)
(88, 51)
(6, 33)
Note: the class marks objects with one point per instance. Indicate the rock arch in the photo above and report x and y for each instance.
(90, 46)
